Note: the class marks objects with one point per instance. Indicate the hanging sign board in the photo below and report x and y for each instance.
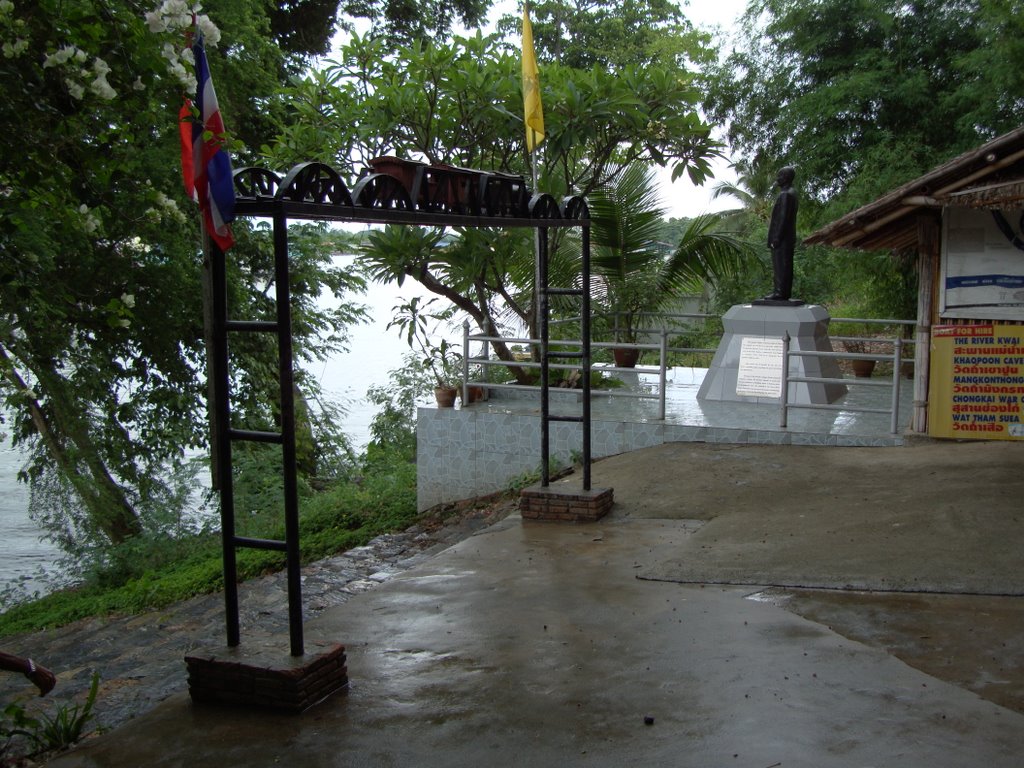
(982, 265)
(760, 369)
(977, 382)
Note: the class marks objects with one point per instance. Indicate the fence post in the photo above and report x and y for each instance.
(784, 416)
(663, 377)
(897, 363)
(465, 362)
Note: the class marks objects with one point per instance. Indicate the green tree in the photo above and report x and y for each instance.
(467, 111)
(101, 354)
(752, 190)
(993, 99)
(640, 274)
(861, 97)
(580, 34)
(853, 93)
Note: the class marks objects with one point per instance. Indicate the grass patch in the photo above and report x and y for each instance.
(344, 515)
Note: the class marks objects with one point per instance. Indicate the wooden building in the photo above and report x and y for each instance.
(963, 220)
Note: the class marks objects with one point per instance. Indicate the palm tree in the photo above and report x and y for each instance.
(636, 273)
(753, 189)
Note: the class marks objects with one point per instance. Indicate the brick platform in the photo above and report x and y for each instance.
(261, 673)
(564, 504)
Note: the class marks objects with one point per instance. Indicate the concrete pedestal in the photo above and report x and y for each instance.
(807, 326)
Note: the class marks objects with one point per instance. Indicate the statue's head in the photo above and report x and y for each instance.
(786, 176)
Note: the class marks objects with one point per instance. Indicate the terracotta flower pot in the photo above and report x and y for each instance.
(626, 357)
(863, 368)
(445, 396)
(476, 394)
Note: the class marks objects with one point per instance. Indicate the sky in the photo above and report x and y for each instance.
(683, 199)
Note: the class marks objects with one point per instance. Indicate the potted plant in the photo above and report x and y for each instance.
(861, 368)
(638, 274)
(628, 305)
(442, 360)
(474, 392)
(848, 336)
(445, 365)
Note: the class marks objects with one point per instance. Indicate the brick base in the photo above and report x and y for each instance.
(262, 674)
(564, 504)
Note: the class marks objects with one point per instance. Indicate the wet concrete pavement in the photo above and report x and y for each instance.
(537, 645)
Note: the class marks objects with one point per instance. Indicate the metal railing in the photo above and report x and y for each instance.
(484, 362)
(856, 342)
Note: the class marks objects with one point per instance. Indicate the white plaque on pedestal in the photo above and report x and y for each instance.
(747, 367)
(760, 368)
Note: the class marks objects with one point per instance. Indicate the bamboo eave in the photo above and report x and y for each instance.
(991, 176)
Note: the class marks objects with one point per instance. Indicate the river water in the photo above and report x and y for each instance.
(373, 352)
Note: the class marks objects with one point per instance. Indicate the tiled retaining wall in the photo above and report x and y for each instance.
(466, 452)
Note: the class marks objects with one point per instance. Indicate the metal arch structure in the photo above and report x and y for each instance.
(392, 191)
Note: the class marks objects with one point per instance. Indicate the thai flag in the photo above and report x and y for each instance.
(206, 165)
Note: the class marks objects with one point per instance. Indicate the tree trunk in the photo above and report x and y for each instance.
(68, 443)
(481, 317)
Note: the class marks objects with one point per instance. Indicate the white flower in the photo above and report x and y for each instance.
(90, 222)
(156, 23)
(181, 21)
(138, 85)
(100, 67)
(183, 76)
(103, 89)
(124, 322)
(167, 208)
(16, 48)
(175, 16)
(75, 89)
(80, 55)
(209, 30)
(128, 300)
(63, 55)
(171, 16)
(175, 8)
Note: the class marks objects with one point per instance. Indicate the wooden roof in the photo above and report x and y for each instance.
(991, 176)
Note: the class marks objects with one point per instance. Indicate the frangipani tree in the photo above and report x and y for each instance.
(466, 110)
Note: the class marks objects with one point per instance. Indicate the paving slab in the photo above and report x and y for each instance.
(537, 645)
(940, 517)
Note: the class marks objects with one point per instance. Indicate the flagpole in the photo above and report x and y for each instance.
(206, 282)
(536, 241)
(533, 159)
(533, 118)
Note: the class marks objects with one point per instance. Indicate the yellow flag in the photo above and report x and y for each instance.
(533, 112)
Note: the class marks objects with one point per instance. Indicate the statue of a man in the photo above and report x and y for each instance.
(782, 235)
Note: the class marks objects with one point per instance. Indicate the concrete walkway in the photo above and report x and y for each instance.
(537, 645)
